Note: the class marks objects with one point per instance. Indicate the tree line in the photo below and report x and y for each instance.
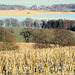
(64, 24)
(53, 8)
(29, 22)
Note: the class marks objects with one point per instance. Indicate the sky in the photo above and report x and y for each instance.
(37, 2)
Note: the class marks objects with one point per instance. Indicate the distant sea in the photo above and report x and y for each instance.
(40, 17)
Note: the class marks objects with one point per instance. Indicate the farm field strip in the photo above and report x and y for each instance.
(30, 12)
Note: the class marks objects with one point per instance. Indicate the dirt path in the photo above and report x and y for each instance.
(23, 46)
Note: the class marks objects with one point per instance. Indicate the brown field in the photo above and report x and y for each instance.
(29, 12)
(30, 61)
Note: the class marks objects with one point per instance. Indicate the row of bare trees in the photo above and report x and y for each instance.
(9, 22)
(28, 22)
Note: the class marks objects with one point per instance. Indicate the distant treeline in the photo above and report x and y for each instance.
(65, 24)
(29, 22)
(53, 8)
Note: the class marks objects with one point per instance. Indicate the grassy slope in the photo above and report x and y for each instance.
(17, 33)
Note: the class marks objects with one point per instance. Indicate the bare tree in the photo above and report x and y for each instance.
(29, 22)
(7, 22)
(14, 22)
(37, 23)
(1, 23)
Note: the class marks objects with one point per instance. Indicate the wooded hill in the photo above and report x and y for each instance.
(53, 8)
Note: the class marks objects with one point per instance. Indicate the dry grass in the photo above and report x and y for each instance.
(29, 61)
(29, 12)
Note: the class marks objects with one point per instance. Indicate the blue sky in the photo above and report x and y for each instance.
(37, 2)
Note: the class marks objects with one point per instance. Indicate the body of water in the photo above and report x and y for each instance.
(39, 17)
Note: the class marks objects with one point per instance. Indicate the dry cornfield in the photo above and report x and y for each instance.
(30, 61)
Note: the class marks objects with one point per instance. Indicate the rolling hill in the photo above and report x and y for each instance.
(20, 38)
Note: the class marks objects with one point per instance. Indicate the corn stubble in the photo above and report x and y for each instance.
(50, 61)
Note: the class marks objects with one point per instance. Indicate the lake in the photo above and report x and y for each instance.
(39, 17)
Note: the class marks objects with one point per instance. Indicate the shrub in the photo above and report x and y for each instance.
(8, 39)
(44, 37)
(26, 32)
(11, 30)
(63, 37)
(73, 28)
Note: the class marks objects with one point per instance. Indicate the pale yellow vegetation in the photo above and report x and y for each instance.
(30, 61)
(30, 12)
